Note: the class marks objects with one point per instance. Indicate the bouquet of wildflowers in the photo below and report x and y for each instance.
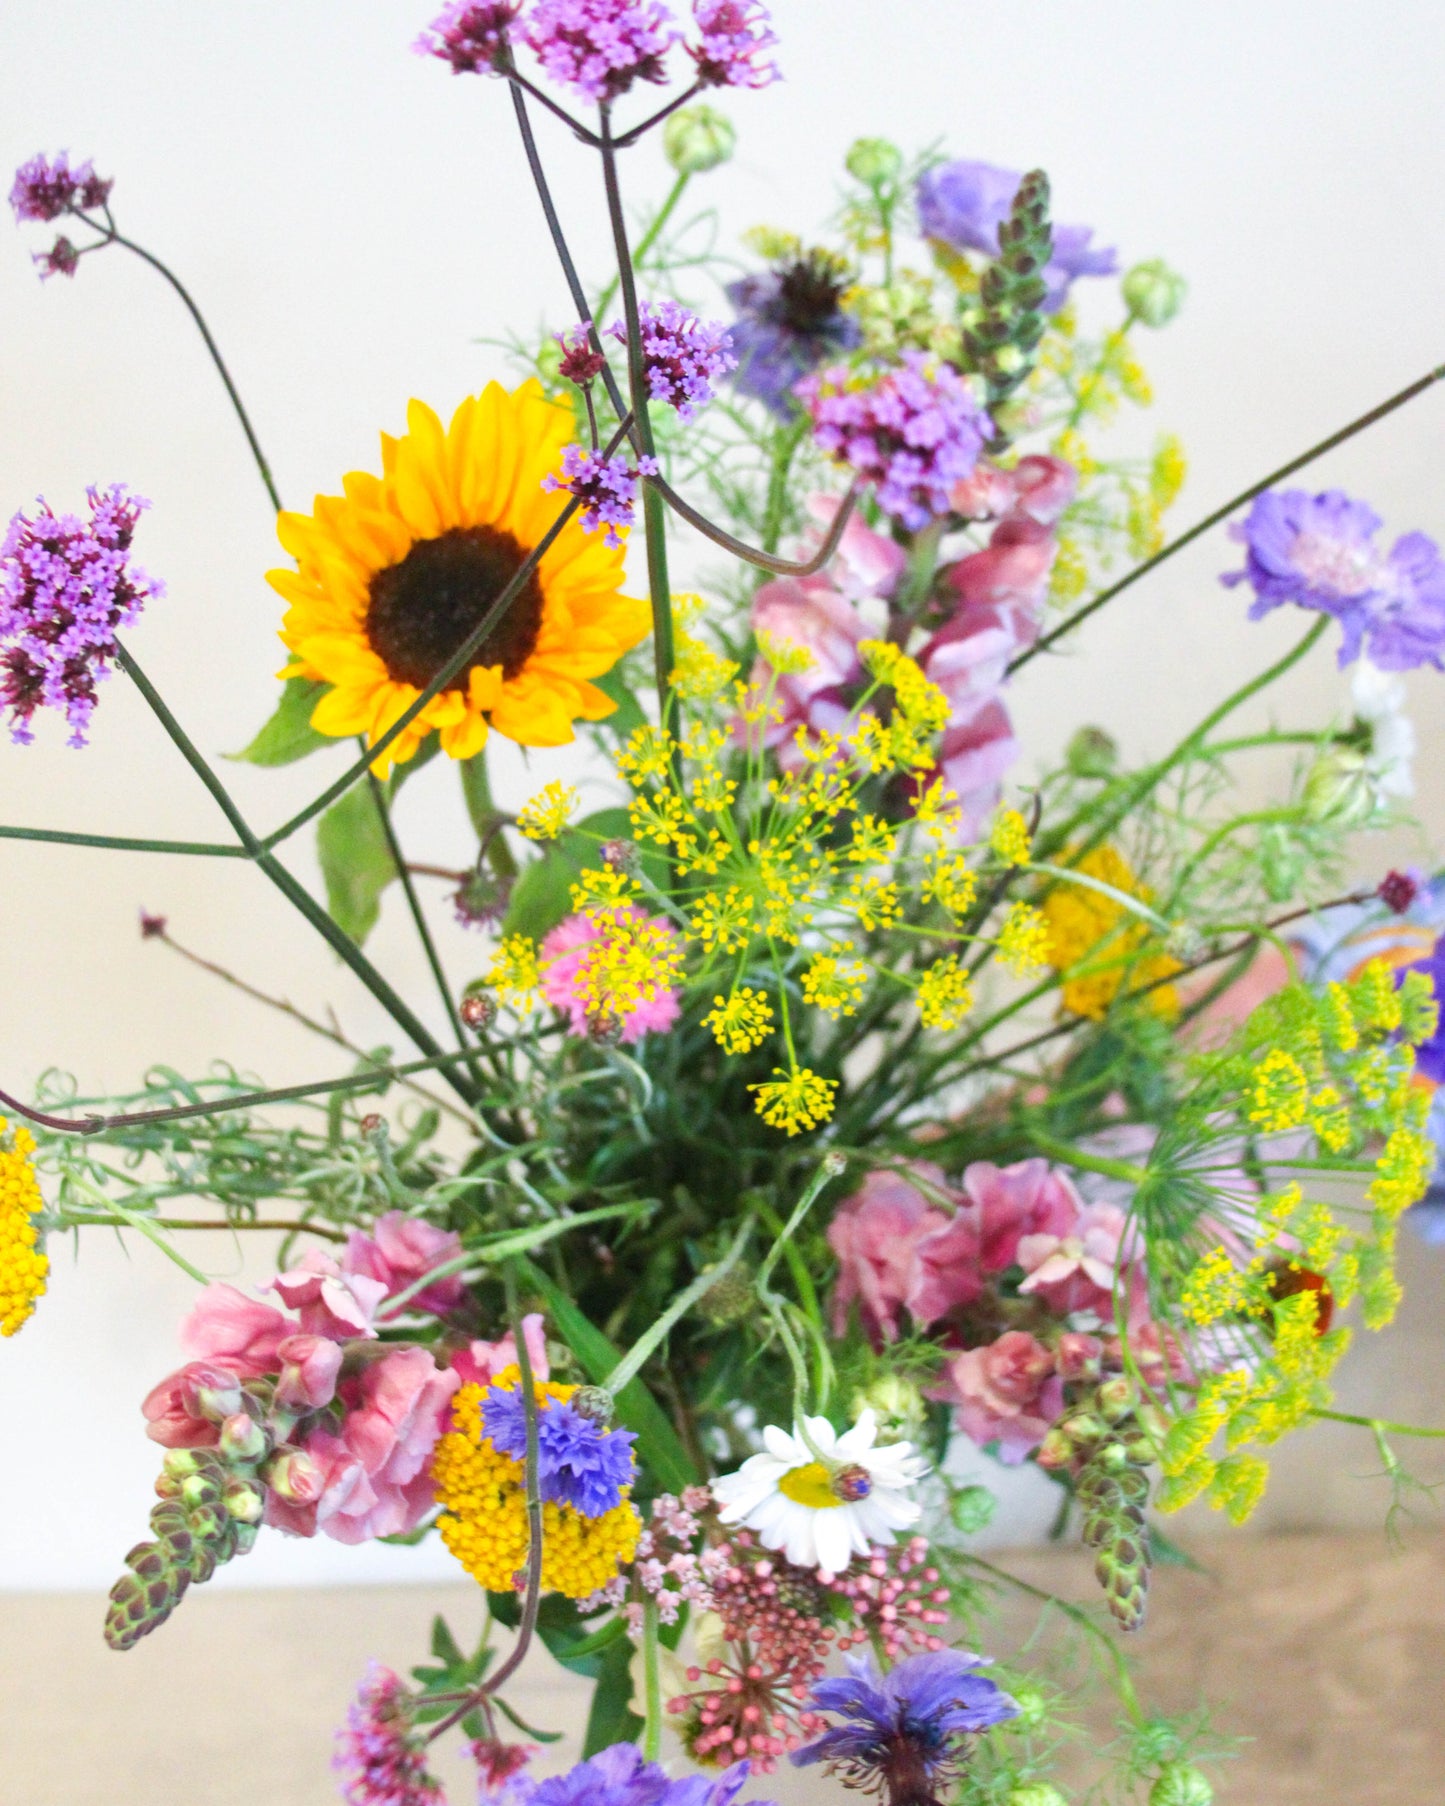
(843, 1091)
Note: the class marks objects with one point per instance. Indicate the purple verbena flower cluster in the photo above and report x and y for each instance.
(378, 1759)
(606, 488)
(66, 585)
(682, 355)
(45, 190)
(734, 35)
(914, 433)
(580, 1462)
(580, 363)
(1319, 551)
(471, 35)
(62, 259)
(600, 47)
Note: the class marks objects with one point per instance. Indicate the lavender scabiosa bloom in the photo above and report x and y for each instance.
(600, 47)
(682, 355)
(902, 1730)
(45, 190)
(964, 204)
(789, 322)
(66, 585)
(914, 433)
(1403, 624)
(620, 1776)
(734, 35)
(580, 1462)
(606, 488)
(471, 35)
(378, 1759)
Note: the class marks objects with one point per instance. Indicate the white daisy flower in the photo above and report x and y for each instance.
(821, 1513)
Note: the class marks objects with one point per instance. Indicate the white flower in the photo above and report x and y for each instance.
(1379, 702)
(823, 1513)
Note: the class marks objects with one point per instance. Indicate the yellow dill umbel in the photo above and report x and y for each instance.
(24, 1265)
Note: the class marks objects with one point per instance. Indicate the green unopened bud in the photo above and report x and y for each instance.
(1339, 788)
(244, 1501)
(1116, 1397)
(594, 1402)
(972, 1509)
(549, 363)
(1033, 1706)
(1153, 292)
(1092, 753)
(243, 1439)
(1055, 1451)
(1083, 1427)
(697, 139)
(1181, 1784)
(897, 1404)
(873, 162)
(1036, 1793)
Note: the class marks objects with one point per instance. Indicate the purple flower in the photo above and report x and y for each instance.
(62, 259)
(789, 322)
(580, 363)
(65, 587)
(378, 1759)
(579, 1462)
(734, 34)
(914, 433)
(1430, 1055)
(43, 191)
(606, 488)
(620, 1777)
(600, 47)
(471, 35)
(683, 355)
(901, 1729)
(965, 203)
(1403, 624)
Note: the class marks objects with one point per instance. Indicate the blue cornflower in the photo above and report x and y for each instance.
(903, 1728)
(580, 1462)
(620, 1777)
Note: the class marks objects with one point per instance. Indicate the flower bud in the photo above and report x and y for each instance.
(873, 162)
(210, 1392)
(1339, 789)
(1079, 1356)
(295, 1477)
(697, 139)
(897, 1404)
(620, 856)
(1153, 292)
(1036, 1793)
(549, 363)
(1055, 1452)
(594, 1402)
(1116, 1397)
(243, 1439)
(1181, 1784)
(244, 1501)
(1091, 753)
(478, 1011)
(972, 1509)
(1033, 1706)
(1083, 1427)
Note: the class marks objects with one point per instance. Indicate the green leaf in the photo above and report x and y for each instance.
(527, 1730)
(574, 1646)
(444, 1645)
(355, 861)
(1168, 1554)
(612, 1719)
(658, 1446)
(542, 894)
(288, 735)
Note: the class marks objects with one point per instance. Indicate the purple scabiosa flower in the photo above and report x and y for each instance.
(580, 1462)
(62, 259)
(965, 203)
(1402, 625)
(913, 433)
(471, 35)
(902, 1730)
(379, 1760)
(606, 488)
(620, 1776)
(66, 585)
(45, 190)
(683, 355)
(734, 35)
(600, 47)
(789, 322)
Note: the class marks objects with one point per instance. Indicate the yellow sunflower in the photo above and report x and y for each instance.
(395, 574)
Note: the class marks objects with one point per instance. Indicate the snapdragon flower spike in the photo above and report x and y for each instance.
(734, 35)
(601, 47)
(45, 190)
(66, 585)
(471, 35)
(682, 355)
(579, 1462)
(606, 488)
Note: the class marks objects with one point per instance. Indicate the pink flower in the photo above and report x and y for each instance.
(1075, 1271)
(567, 955)
(310, 1366)
(946, 1272)
(186, 1410)
(1079, 1357)
(1007, 1393)
(479, 1364)
(866, 564)
(875, 1235)
(225, 1325)
(1039, 487)
(328, 1301)
(1029, 1198)
(295, 1481)
(978, 750)
(400, 1252)
(1010, 573)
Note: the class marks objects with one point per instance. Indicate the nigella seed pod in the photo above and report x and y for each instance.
(697, 139)
(1153, 292)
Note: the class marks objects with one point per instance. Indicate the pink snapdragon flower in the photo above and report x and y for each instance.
(329, 1300)
(479, 1363)
(187, 1408)
(566, 956)
(1076, 1271)
(1028, 1198)
(1039, 486)
(225, 1325)
(1007, 1392)
(310, 1367)
(876, 1235)
(401, 1251)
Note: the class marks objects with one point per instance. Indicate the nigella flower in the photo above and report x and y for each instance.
(600, 47)
(580, 1462)
(913, 433)
(379, 1759)
(606, 488)
(734, 34)
(619, 1776)
(45, 190)
(683, 355)
(66, 585)
(471, 35)
(965, 203)
(789, 321)
(903, 1730)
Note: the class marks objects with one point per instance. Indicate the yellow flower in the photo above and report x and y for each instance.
(1279, 1096)
(1023, 944)
(795, 1100)
(945, 995)
(1080, 918)
(24, 1265)
(834, 985)
(547, 814)
(741, 1022)
(1010, 838)
(395, 574)
(514, 973)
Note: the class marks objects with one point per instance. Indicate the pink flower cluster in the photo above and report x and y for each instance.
(898, 1600)
(471, 35)
(734, 35)
(600, 47)
(666, 1566)
(379, 1759)
(606, 488)
(566, 958)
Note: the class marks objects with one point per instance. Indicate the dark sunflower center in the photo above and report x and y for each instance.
(808, 296)
(423, 609)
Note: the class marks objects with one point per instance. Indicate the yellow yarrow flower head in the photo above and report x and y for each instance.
(796, 1100)
(1010, 838)
(1083, 920)
(741, 1022)
(1023, 942)
(544, 816)
(945, 994)
(24, 1265)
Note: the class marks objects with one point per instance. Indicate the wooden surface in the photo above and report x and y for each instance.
(1326, 1653)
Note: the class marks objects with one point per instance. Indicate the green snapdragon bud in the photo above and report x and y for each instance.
(873, 162)
(1153, 292)
(697, 139)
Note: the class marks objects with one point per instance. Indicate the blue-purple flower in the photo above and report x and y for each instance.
(790, 320)
(620, 1777)
(471, 35)
(902, 1731)
(66, 585)
(606, 488)
(964, 204)
(43, 190)
(580, 1462)
(682, 355)
(734, 35)
(600, 47)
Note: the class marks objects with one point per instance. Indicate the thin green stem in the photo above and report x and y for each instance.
(1381, 1424)
(826, 1170)
(651, 1682)
(123, 843)
(649, 237)
(1068, 1155)
(642, 1350)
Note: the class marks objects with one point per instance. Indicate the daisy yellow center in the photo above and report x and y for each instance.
(811, 1486)
(422, 609)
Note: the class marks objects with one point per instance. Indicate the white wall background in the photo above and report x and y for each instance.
(354, 220)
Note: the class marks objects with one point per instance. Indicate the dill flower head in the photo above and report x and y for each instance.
(1024, 943)
(24, 1266)
(795, 1100)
